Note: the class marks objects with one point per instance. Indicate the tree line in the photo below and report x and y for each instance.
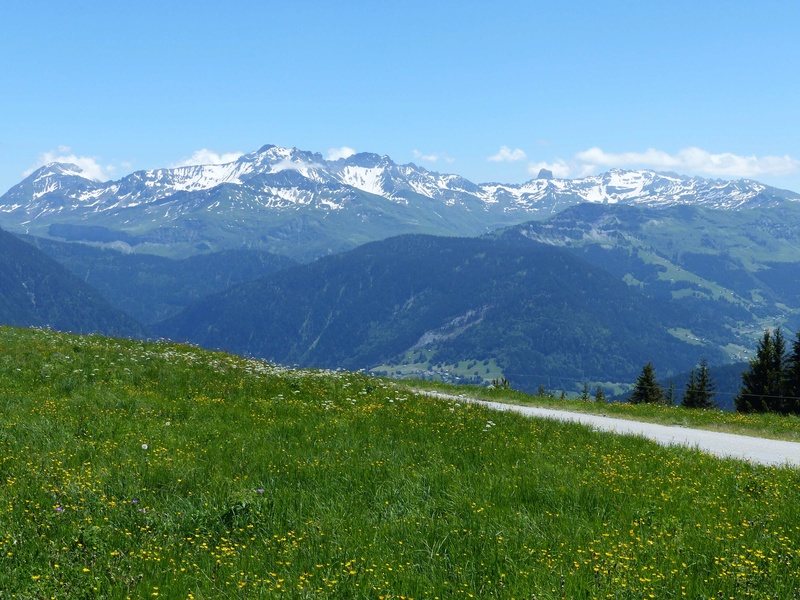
(699, 393)
(770, 384)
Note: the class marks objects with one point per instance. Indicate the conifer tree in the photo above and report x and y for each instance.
(647, 389)
(777, 377)
(599, 396)
(755, 380)
(689, 399)
(763, 384)
(700, 390)
(585, 396)
(669, 400)
(792, 379)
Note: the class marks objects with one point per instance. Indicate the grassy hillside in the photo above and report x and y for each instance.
(739, 269)
(157, 470)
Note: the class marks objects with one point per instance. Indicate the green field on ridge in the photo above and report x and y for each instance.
(143, 470)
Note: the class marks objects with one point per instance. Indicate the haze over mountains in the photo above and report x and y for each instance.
(571, 281)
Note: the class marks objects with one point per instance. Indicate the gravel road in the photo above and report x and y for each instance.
(753, 449)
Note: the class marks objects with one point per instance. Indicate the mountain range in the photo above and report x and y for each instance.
(296, 203)
(551, 282)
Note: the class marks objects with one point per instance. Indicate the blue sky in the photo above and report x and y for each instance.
(492, 91)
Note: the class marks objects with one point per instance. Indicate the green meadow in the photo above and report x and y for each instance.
(767, 425)
(145, 470)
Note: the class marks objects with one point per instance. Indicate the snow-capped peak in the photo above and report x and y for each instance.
(275, 178)
(59, 170)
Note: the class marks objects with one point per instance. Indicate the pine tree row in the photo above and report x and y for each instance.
(771, 383)
(699, 392)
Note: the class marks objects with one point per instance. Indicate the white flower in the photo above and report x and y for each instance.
(144, 446)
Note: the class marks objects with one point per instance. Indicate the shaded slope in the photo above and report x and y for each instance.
(536, 310)
(37, 291)
(152, 288)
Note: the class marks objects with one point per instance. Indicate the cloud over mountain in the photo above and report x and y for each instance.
(204, 156)
(506, 154)
(694, 160)
(337, 153)
(688, 160)
(88, 164)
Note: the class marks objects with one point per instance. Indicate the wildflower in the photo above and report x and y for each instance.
(260, 490)
(60, 508)
(144, 446)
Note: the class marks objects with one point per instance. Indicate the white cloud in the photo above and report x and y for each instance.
(433, 156)
(204, 156)
(695, 160)
(287, 164)
(337, 153)
(690, 160)
(559, 168)
(88, 164)
(506, 154)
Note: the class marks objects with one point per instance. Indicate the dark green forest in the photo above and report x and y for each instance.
(152, 288)
(35, 290)
(540, 311)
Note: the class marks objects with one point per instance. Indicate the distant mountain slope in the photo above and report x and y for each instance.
(152, 288)
(740, 269)
(535, 311)
(37, 291)
(297, 203)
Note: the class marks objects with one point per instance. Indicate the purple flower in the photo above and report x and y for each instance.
(60, 508)
(134, 501)
(260, 490)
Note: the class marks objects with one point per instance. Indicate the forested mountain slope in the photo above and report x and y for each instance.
(534, 310)
(152, 288)
(37, 291)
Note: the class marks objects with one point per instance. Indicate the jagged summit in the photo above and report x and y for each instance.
(274, 185)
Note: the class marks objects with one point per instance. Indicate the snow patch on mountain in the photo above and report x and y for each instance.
(366, 179)
(276, 178)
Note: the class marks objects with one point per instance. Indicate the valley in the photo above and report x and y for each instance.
(552, 284)
(399, 301)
